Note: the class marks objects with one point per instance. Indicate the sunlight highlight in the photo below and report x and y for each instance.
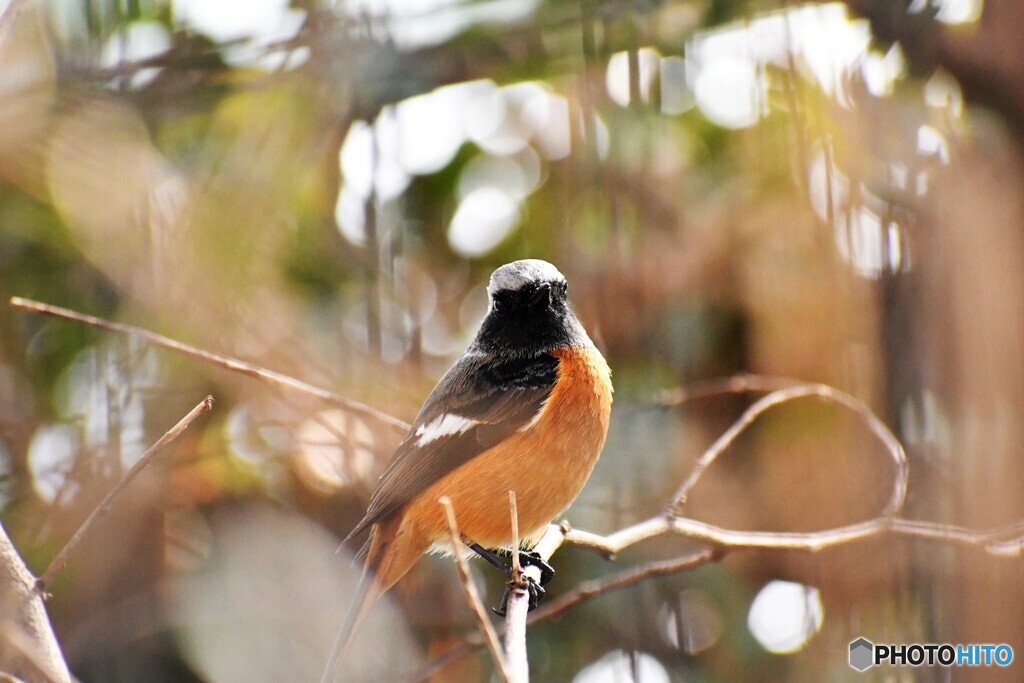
(485, 217)
(617, 75)
(143, 40)
(513, 125)
(729, 67)
(50, 455)
(624, 667)
(958, 11)
(232, 20)
(785, 615)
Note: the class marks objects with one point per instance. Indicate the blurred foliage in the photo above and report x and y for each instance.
(323, 189)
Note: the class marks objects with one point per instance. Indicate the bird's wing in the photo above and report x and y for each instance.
(477, 404)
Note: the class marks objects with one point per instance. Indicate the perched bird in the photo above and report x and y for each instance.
(525, 409)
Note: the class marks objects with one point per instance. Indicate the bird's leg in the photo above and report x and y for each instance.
(492, 558)
(526, 558)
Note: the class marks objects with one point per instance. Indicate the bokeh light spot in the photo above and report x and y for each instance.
(335, 449)
(694, 623)
(785, 615)
(227, 20)
(617, 75)
(50, 454)
(728, 92)
(484, 218)
(624, 667)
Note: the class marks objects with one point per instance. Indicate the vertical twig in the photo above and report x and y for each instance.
(517, 607)
(517, 569)
(472, 596)
(173, 433)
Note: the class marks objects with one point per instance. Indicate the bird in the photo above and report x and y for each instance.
(525, 408)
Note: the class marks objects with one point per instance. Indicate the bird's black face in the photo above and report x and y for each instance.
(531, 319)
(530, 301)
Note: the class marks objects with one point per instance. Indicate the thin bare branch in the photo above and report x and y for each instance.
(472, 595)
(742, 383)
(1004, 542)
(582, 593)
(226, 362)
(517, 607)
(517, 569)
(14, 639)
(624, 579)
(26, 636)
(173, 433)
(1007, 541)
(780, 396)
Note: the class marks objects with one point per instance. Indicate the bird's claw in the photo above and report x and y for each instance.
(534, 590)
(527, 558)
(531, 558)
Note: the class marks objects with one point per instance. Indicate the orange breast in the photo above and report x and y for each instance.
(546, 464)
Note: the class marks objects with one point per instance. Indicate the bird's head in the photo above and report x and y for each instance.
(528, 310)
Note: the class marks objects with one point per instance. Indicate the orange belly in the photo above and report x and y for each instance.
(546, 465)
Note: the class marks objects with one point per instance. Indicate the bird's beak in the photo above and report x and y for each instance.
(543, 293)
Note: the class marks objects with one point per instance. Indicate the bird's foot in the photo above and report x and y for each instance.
(531, 558)
(533, 589)
(527, 558)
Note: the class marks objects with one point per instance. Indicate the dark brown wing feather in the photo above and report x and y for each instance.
(502, 396)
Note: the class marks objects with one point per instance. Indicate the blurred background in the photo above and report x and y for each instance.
(830, 192)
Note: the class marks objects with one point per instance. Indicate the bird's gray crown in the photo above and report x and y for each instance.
(518, 274)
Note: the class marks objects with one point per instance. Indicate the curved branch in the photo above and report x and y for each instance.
(780, 396)
(1006, 542)
(1000, 542)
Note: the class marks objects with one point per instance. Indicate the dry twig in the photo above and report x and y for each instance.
(255, 371)
(1000, 542)
(580, 594)
(27, 643)
(173, 433)
(517, 607)
(472, 595)
(785, 395)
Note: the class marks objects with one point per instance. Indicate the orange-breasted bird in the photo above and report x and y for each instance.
(525, 409)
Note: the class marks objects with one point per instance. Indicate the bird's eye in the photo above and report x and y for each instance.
(499, 307)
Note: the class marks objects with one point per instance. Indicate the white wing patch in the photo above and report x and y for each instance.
(445, 425)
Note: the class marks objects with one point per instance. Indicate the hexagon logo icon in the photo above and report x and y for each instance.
(862, 653)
